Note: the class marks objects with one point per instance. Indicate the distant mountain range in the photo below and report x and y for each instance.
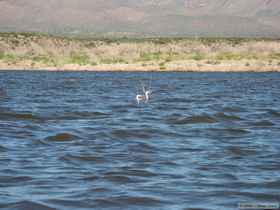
(223, 18)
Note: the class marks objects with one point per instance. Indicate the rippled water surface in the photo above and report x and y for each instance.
(79, 140)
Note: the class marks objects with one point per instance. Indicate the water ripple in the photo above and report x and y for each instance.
(79, 140)
(27, 205)
(191, 120)
(62, 137)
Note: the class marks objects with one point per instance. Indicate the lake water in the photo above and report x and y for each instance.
(78, 140)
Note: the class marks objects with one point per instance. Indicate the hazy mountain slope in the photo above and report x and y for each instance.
(143, 17)
(232, 7)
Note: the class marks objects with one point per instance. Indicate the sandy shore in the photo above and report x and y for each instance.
(139, 67)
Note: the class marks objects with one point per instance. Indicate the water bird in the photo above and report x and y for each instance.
(146, 96)
(140, 98)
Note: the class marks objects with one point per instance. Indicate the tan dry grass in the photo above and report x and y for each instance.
(58, 52)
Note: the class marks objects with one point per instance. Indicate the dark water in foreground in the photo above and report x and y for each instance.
(80, 141)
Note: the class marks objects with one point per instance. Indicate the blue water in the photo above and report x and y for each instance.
(78, 140)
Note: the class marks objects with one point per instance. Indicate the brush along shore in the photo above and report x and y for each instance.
(25, 51)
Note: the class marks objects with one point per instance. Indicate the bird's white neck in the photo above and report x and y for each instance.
(147, 95)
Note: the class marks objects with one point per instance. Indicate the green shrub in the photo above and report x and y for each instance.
(197, 56)
(275, 56)
(161, 41)
(213, 62)
(80, 58)
(144, 64)
(228, 56)
(112, 60)
(91, 44)
(162, 66)
(168, 59)
(150, 56)
(10, 57)
(2, 55)
(106, 61)
(252, 56)
(42, 59)
(93, 63)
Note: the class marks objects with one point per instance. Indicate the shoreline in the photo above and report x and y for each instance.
(139, 68)
(49, 53)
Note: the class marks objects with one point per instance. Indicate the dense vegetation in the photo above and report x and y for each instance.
(41, 50)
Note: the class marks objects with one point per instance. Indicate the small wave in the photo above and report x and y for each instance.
(3, 149)
(143, 147)
(62, 137)
(195, 209)
(238, 151)
(234, 132)
(120, 108)
(273, 112)
(82, 115)
(272, 184)
(132, 133)
(177, 100)
(90, 178)
(252, 195)
(27, 205)
(14, 179)
(84, 158)
(104, 203)
(100, 189)
(75, 203)
(263, 123)
(141, 173)
(119, 179)
(133, 200)
(3, 93)
(18, 116)
(40, 142)
(72, 79)
(269, 166)
(227, 117)
(191, 120)
(233, 109)
(25, 116)
(132, 173)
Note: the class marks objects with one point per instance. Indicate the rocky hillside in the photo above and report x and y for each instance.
(250, 18)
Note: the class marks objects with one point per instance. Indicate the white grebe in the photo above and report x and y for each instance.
(140, 98)
(146, 93)
(145, 97)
